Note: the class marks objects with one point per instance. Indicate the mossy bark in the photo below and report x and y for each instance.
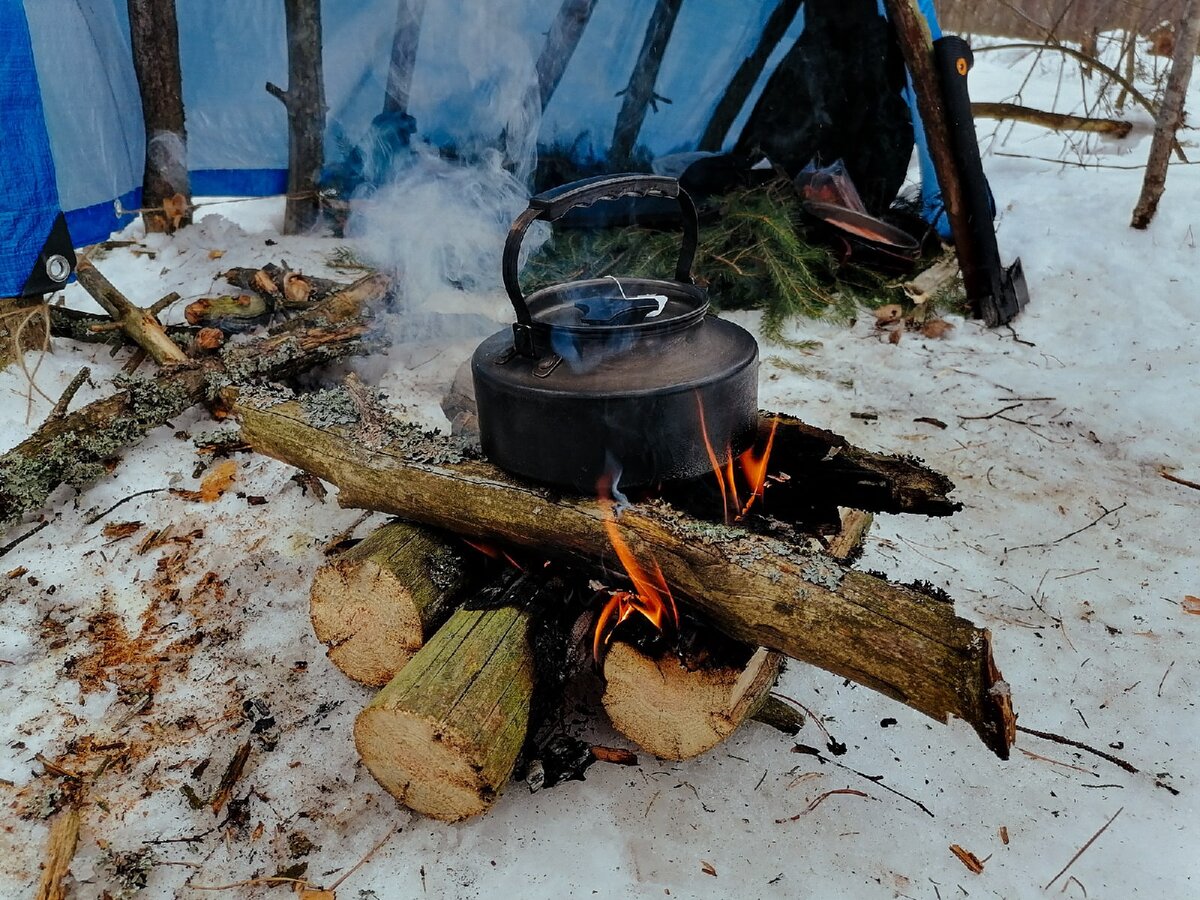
(898, 640)
(443, 737)
(378, 603)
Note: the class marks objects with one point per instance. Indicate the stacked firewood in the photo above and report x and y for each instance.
(476, 608)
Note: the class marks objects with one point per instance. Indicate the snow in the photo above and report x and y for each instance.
(1072, 548)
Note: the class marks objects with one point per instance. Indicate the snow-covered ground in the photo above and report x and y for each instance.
(1072, 548)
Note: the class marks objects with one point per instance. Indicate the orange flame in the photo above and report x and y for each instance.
(651, 596)
(753, 467)
(494, 552)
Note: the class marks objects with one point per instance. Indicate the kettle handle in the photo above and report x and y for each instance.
(556, 202)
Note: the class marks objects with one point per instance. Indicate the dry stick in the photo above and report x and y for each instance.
(1170, 115)
(1095, 521)
(1086, 165)
(358, 865)
(139, 324)
(1059, 739)
(1082, 849)
(1112, 73)
(1178, 480)
(1055, 121)
(60, 408)
(92, 520)
(13, 543)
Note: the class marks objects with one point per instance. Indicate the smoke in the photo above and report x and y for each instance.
(440, 218)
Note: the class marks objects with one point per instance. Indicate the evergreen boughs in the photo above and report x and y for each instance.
(753, 254)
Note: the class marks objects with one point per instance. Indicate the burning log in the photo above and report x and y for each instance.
(678, 708)
(444, 736)
(676, 712)
(905, 642)
(378, 603)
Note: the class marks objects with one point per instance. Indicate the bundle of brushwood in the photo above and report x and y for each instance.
(488, 596)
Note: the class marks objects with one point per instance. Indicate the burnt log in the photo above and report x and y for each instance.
(905, 642)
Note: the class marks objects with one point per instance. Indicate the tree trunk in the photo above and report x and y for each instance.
(379, 602)
(74, 449)
(747, 75)
(916, 43)
(404, 55)
(639, 93)
(305, 103)
(166, 190)
(561, 42)
(1170, 115)
(443, 737)
(901, 641)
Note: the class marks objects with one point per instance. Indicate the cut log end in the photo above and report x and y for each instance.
(678, 714)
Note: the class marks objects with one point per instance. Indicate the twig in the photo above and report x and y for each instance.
(1082, 849)
(13, 543)
(1164, 678)
(1059, 739)
(1177, 480)
(273, 879)
(60, 408)
(878, 780)
(1058, 762)
(1078, 164)
(821, 799)
(1095, 521)
(160, 305)
(92, 520)
(991, 415)
(358, 865)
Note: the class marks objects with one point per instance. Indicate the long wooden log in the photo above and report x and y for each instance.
(901, 641)
(73, 449)
(444, 736)
(378, 603)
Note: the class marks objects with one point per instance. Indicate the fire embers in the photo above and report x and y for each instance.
(650, 597)
(751, 466)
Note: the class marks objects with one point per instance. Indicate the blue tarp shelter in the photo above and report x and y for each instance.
(73, 140)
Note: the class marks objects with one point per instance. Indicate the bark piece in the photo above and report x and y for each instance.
(304, 100)
(901, 641)
(166, 190)
(1170, 115)
(678, 714)
(60, 850)
(444, 735)
(378, 603)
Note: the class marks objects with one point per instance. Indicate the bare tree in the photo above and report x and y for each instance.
(639, 93)
(404, 55)
(166, 190)
(1170, 114)
(561, 42)
(305, 103)
(747, 75)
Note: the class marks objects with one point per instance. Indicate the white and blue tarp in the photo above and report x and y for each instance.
(73, 140)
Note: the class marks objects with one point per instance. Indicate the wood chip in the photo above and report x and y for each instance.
(707, 868)
(17, 572)
(930, 420)
(219, 479)
(1004, 835)
(936, 328)
(618, 755)
(215, 254)
(967, 858)
(1191, 604)
(886, 315)
(116, 531)
(232, 773)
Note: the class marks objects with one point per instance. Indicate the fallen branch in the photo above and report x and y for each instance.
(74, 449)
(1053, 120)
(897, 640)
(140, 325)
